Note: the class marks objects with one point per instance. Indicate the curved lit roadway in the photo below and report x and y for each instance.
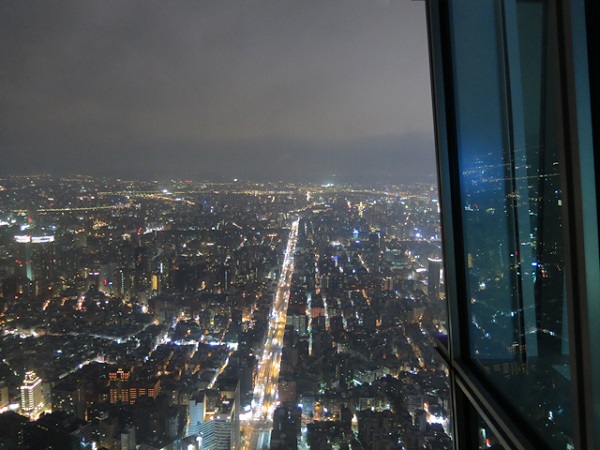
(257, 427)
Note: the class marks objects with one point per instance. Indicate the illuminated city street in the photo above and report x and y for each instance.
(258, 425)
(289, 295)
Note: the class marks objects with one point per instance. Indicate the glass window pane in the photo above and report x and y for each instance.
(485, 436)
(507, 113)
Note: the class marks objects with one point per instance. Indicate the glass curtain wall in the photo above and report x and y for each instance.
(506, 128)
(508, 123)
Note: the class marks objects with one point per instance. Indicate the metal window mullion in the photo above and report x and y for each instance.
(440, 53)
(517, 159)
(581, 229)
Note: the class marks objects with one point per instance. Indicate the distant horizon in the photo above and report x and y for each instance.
(406, 159)
(326, 181)
(271, 89)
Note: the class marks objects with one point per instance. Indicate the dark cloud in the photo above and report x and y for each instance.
(221, 86)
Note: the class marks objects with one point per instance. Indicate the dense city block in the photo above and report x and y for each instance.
(201, 315)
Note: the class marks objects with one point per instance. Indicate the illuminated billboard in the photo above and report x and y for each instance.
(26, 239)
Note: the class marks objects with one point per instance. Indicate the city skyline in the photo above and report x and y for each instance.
(213, 316)
(219, 227)
(261, 90)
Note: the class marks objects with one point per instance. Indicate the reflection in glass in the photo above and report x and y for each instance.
(508, 118)
(486, 438)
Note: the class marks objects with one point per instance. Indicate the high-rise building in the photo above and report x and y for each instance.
(195, 414)
(58, 430)
(67, 396)
(119, 386)
(434, 269)
(220, 430)
(128, 438)
(515, 88)
(38, 260)
(299, 322)
(31, 394)
(4, 399)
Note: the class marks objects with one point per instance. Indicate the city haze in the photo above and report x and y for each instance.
(322, 91)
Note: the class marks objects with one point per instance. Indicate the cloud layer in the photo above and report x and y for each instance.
(133, 87)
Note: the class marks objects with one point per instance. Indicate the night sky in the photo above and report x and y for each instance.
(323, 90)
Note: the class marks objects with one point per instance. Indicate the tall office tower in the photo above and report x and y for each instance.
(225, 277)
(38, 259)
(107, 277)
(208, 432)
(195, 414)
(4, 399)
(156, 280)
(67, 396)
(515, 86)
(220, 430)
(142, 275)
(119, 386)
(434, 269)
(128, 438)
(31, 394)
